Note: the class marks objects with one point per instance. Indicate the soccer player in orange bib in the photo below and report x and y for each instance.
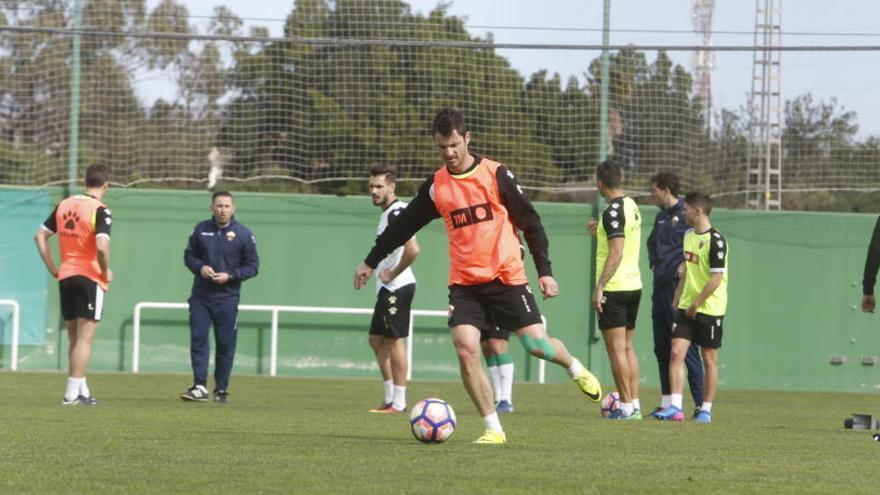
(482, 205)
(82, 223)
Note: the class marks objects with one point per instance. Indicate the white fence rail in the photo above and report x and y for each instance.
(16, 328)
(273, 342)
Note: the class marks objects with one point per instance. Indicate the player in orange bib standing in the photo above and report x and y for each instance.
(82, 223)
(481, 204)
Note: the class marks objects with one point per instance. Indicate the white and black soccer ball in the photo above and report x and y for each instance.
(610, 403)
(432, 420)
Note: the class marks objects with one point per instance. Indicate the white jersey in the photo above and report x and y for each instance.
(406, 277)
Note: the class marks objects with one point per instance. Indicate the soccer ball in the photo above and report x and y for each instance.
(432, 420)
(610, 403)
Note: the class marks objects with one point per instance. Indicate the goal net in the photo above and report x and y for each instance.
(169, 99)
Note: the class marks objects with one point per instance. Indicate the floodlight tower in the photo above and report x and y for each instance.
(703, 61)
(764, 173)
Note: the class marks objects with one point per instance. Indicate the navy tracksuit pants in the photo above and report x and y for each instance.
(222, 313)
(663, 316)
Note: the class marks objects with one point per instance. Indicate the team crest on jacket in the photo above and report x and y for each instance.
(230, 236)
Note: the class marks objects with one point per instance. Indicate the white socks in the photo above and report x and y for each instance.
(398, 399)
(389, 391)
(637, 405)
(76, 387)
(492, 422)
(675, 400)
(505, 377)
(495, 379)
(84, 388)
(72, 390)
(575, 369)
(665, 401)
(706, 406)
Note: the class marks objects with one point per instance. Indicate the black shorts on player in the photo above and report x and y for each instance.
(81, 297)
(391, 313)
(620, 309)
(495, 333)
(703, 330)
(492, 305)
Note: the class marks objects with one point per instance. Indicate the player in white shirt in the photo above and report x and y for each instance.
(395, 289)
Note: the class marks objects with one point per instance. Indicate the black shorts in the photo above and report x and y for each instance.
(391, 313)
(704, 330)
(81, 297)
(620, 309)
(492, 305)
(496, 333)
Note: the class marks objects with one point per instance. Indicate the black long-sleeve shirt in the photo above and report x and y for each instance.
(422, 210)
(872, 262)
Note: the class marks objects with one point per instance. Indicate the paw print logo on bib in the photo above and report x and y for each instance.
(70, 218)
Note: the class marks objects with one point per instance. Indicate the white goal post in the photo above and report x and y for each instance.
(16, 324)
(276, 310)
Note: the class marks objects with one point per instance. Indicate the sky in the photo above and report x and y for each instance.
(850, 77)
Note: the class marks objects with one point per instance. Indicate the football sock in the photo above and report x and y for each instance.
(626, 408)
(492, 422)
(505, 372)
(491, 360)
(389, 391)
(637, 404)
(495, 378)
(706, 406)
(575, 369)
(675, 400)
(399, 397)
(84, 388)
(665, 401)
(72, 388)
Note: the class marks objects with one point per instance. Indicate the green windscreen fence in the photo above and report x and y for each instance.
(793, 319)
(22, 276)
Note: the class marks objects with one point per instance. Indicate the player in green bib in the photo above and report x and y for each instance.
(701, 299)
(618, 284)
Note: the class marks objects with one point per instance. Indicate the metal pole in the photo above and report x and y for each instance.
(603, 112)
(273, 344)
(16, 329)
(73, 149)
(136, 340)
(409, 348)
(603, 154)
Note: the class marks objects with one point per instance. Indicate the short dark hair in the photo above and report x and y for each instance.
(448, 120)
(221, 194)
(666, 180)
(389, 171)
(97, 175)
(699, 200)
(609, 173)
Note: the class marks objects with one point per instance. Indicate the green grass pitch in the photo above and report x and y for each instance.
(285, 435)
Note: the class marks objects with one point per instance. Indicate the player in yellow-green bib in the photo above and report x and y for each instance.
(618, 284)
(701, 299)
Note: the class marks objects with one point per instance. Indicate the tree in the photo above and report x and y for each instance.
(815, 135)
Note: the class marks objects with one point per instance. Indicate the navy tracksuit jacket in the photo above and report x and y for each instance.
(665, 245)
(232, 250)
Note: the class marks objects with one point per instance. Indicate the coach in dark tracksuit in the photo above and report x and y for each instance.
(665, 246)
(221, 253)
